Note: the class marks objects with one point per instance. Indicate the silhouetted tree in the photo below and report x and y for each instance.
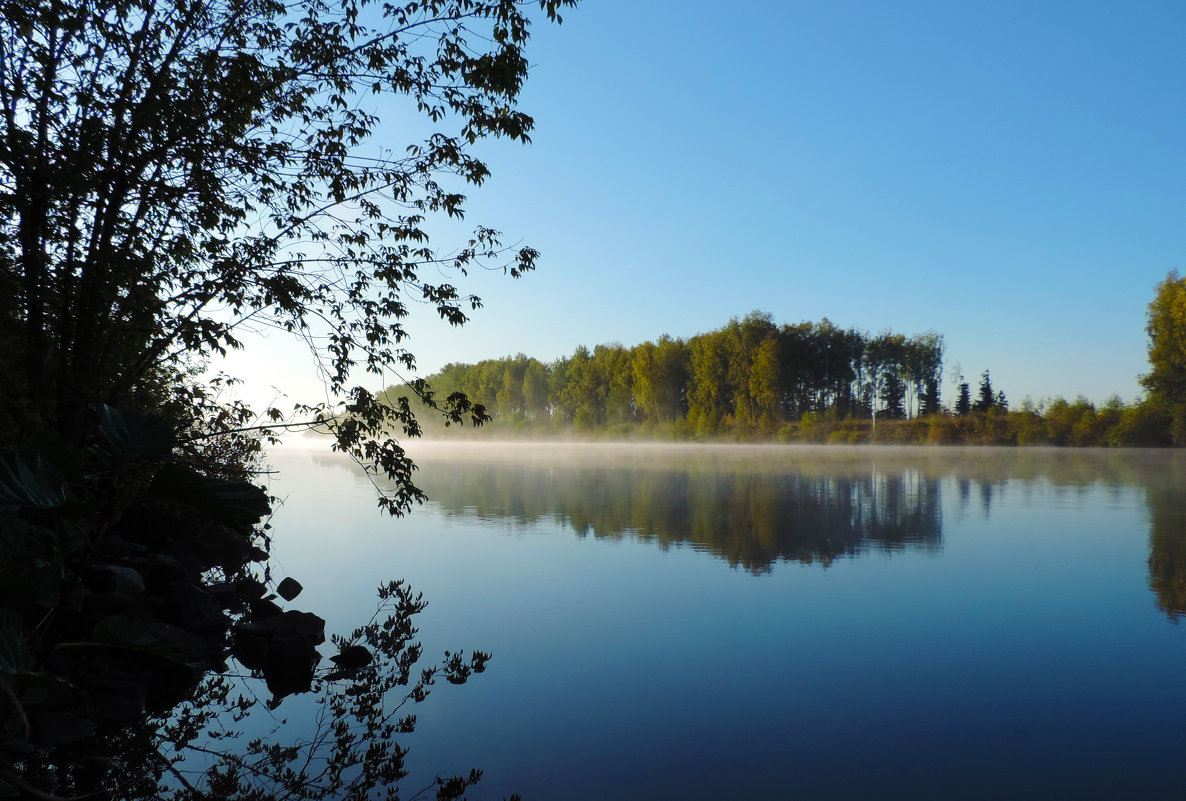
(169, 172)
(986, 399)
(930, 403)
(893, 392)
(172, 170)
(963, 401)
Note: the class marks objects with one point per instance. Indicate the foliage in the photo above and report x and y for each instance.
(352, 752)
(125, 569)
(741, 380)
(963, 403)
(660, 379)
(173, 172)
(1166, 379)
(751, 380)
(985, 398)
(129, 583)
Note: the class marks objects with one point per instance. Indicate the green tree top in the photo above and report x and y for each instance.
(1166, 379)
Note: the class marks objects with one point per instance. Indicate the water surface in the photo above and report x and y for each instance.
(706, 622)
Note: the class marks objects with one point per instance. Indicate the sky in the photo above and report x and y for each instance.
(1011, 175)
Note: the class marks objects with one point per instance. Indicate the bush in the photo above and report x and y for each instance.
(1141, 425)
(1029, 428)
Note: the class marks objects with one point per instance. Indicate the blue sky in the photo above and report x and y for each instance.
(1011, 175)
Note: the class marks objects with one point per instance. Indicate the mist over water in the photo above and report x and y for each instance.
(685, 621)
(750, 518)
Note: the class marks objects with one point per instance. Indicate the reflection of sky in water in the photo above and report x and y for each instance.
(988, 629)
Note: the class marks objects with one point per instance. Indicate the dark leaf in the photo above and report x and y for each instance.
(241, 502)
(289, 589)
(29, 481)
(352, 657)
(133, 435)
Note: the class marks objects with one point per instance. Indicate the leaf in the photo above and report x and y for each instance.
(228, 501)
(188, 486)
(289, 589)
(133, 435)
(353, 657)
(241, 502)
(43, 689)
(169, 642)
(27, 481)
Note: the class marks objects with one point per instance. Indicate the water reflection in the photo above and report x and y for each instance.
(750, 519)
(1167, 547)
(748, 513)
(756, 507)
(1021, 629)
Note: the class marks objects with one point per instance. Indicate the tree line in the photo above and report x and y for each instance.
(749, 375)
(809, 382)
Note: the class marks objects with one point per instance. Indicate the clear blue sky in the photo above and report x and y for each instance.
(1009, 174)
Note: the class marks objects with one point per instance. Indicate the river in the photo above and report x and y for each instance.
(711, 622)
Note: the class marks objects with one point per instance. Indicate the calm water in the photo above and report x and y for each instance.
(715, 622)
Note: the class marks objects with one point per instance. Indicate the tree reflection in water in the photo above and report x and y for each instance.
(1167, 542)
(756, 507)
(750, 519)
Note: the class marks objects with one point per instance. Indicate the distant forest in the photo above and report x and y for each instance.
(753, 380)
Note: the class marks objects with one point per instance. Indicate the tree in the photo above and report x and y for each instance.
(535, 390)
(795, 370)
(173, 171)
(963, 403)
(892, 394)
(926, 367)
(838, 359)
(1166, 379)
(660, 378)
(510, 394)
(764, 381)
(882, 363)
(745, 339)
(559, 398)
(986, 399)
(708, 389)
(613, 370)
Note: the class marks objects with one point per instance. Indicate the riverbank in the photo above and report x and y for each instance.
(1061, 424)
